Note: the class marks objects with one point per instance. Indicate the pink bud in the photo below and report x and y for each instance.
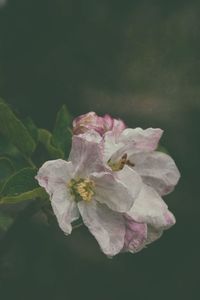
(91, 121)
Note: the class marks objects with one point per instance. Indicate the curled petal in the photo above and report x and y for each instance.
(108, 122)
(157, 170)
(54, 173)
(106, 225)
(118, 126)
(91, 121)
(87, 122)
(149, 208)
(135, 236)
(145, 139)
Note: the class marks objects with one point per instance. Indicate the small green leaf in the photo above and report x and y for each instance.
(6, 168)
(32, 128)
(14, 130)
(62, 131)
(45, 138)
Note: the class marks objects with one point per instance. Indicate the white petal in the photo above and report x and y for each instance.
(131, 180)
(86, 156)
(54, 173)
(151, 209)
(110, 145)
(91, 136)
(157, 170)
(107, 226)
(112, 191)
(65, 208)
(145, 139)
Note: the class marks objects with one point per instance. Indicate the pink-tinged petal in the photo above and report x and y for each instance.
(149, 208)
(117, 192)
(135, 236)
(157, 170)
(86, 156)
(118, 126)
(108, 122)
(65, 208)
(106, 225)
(91, 121)
(145, 139)
(54, 173)
(169, 219)
(91, 136)
(86, 122)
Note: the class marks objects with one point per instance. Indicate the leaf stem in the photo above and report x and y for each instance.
(77, 226)
(30, 162)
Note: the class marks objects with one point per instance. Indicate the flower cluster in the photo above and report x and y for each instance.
(114, 180)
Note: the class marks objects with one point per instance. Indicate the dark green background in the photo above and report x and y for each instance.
(138, 60)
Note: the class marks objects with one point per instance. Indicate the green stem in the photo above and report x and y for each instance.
(30, 162)
(77, 226)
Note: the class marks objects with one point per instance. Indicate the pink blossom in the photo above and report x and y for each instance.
(146, 221)
(82, 186)
(91, 121)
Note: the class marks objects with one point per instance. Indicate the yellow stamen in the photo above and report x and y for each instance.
(119, 165)
(82, 189)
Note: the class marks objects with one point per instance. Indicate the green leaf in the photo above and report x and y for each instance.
(14, 130)
(20, 182)
(62, 131)
(21, 186)
(32, 128)
(45, 138)
(6, 168)
(36, 193)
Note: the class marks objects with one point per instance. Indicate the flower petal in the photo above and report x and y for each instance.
(91, 136)
(107, 226)
(87, 122)
(151, 209)
(118, 126)
(65, 208)
(118, 192)
(145, 139)
(54, 173)
(110, 145)
(86, 156)
(136, 235)
(157, 170)
(131, 180)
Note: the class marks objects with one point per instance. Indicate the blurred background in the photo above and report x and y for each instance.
(138, 60)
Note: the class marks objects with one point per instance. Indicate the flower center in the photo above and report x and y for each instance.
(119, 164)
(82, 189)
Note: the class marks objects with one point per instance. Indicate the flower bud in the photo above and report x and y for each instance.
(91, 121)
